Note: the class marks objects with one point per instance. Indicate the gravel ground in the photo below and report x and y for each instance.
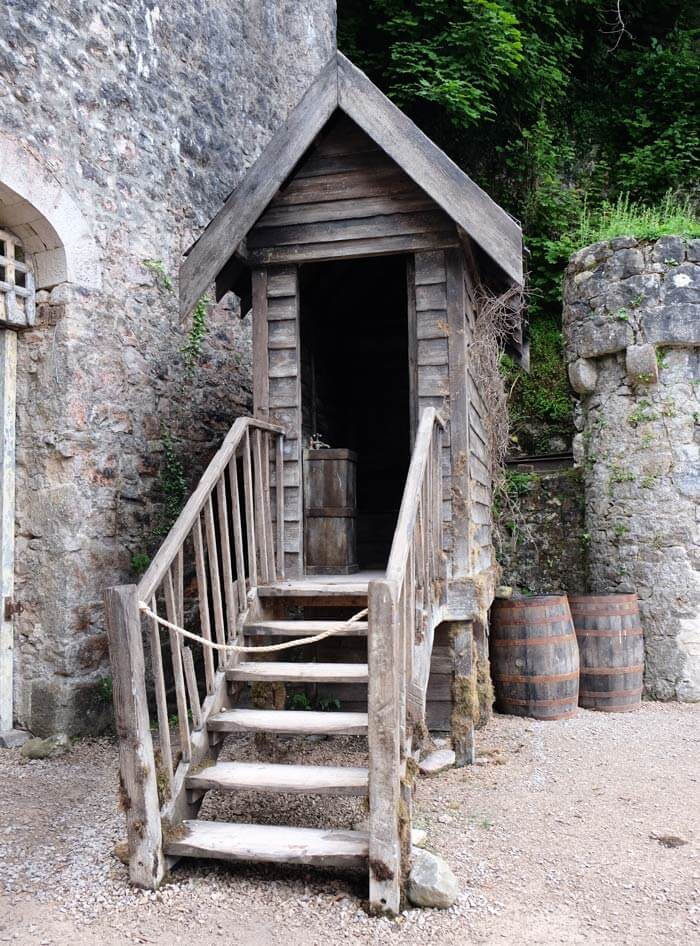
(558, 835)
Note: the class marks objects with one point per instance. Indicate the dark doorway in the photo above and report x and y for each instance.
(355, 383)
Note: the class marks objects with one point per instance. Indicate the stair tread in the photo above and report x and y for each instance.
(290, 672)
(274, 777)
(297, 722)
(270, 843)
(317, 586)
(302, 628)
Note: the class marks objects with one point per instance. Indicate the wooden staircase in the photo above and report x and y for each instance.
(235, 545)
(284, 844)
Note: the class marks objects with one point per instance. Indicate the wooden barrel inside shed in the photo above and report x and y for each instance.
(611, 648)
(534, 657)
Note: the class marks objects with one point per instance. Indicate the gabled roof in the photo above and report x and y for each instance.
(340, 85)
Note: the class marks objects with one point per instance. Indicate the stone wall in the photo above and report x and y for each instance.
(541, 540)
(632, 328)
(145, 115)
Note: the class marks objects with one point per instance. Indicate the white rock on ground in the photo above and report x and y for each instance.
(431, 883)
(436, 762)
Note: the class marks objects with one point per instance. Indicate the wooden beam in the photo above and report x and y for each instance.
(139, 791)
(229, 227)
(261, 374)
(8, 389)
(384, 749)
(459, 412)
(466, 203)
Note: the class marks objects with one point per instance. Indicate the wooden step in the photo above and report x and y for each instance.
(270, 844)
(326, 587)
(295, 722)
(294, 779)
(302, 628)
(251, 671)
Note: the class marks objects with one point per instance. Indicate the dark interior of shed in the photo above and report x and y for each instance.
(355, 383)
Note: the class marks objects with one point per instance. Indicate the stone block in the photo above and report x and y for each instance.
(583, 376)
(673, 325)
(641, 364)
(436, 762)
(668, 250)
(431, 883)
(605, 339)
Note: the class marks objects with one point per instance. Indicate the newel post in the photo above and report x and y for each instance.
(384, 729)
(138, 788)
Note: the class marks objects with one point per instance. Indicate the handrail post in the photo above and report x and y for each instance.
(138, 786)
(385, 668)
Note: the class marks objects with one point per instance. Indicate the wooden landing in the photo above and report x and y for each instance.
(253, 671)
(271, 844)
(321, 586)
(292, 779)
(292, 722)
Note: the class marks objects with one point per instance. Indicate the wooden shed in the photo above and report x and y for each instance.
(363, 480)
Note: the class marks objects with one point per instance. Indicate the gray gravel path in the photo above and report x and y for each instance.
(554, 837)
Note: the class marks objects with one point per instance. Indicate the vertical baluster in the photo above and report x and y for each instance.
(441, 558)
(161, 697)
(249, 510)
(267, 508)
(179, 579)
(191, 680)
(237, 533)
(279, 496)
(203, 594)
(214, 577)
(178, 676)
(260, 529)
(229, 590)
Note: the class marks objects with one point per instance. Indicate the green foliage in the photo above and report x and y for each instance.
(543, 394)
(105, 690)
(517, 484)
(172, 484)
(575, 128)
(299, 701)
(140, 562)
(192, 349)
(672, 215)
(163, 280)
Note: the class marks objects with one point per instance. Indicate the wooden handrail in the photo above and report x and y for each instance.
(166, 554)
(408, 512)
(404, 609)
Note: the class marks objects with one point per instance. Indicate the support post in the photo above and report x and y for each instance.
(139, 792)
(464, 695)
(384, 750)
(8, 388)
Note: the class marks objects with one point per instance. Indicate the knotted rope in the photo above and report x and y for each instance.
(264, 649)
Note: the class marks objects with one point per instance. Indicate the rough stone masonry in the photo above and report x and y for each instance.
(632, 330)
(130, 121)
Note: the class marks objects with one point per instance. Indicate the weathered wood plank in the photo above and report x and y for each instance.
(178, 672)
(327, 211)
(459, 414)
(203, 598)
(412, 345)
(161, 696)
(8, 387)
(352, 249)
(261, 383)
(271, 843)
(462, 721)
(136, 759)
(384, 750)
(344, 230)
(290, 779)
(240, 211)
(390, 181)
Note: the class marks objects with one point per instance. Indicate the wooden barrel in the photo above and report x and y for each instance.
(534, 657)
(611, 647)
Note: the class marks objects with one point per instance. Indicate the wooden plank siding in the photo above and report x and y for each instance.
(277, 396)
(481, 556)
(432, 361)
(347, 199)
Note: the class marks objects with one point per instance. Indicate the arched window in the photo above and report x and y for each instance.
(16, 283)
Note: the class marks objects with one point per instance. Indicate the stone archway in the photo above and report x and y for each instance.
(59, 249)
(37, 208)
